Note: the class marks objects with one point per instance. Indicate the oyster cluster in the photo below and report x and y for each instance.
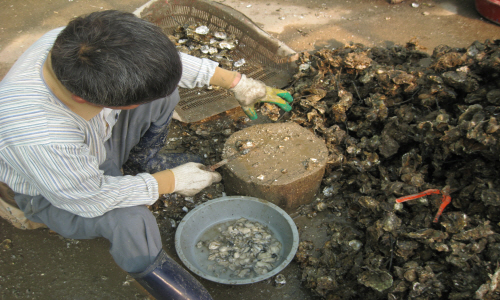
(243, 249)
(398, 121)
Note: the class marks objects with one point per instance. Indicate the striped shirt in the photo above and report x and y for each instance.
(46, 149)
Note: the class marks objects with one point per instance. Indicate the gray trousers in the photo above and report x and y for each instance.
(133, 232)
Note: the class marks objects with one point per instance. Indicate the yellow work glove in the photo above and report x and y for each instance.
(249, 91)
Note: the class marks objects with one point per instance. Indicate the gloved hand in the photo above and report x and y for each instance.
(190, 178)
(249, 91)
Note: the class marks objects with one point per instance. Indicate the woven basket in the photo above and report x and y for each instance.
(267, 58)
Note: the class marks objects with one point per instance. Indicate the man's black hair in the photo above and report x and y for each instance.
(113, 58)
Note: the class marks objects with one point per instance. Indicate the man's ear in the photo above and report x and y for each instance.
(78, 99)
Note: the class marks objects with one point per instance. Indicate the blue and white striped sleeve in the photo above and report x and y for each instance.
(71, 180)
(196, 72)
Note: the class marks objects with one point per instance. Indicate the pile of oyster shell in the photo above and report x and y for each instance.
(397, 121)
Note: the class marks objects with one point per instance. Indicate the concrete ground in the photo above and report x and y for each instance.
(39, 265)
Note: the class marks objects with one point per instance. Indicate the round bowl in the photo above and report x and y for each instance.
(197, 222)
(490, 9)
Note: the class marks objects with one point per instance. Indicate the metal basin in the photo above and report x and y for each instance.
(196, 223)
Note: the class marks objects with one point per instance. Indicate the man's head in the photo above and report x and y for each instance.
(112, 58)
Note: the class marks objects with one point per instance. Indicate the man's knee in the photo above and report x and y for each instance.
(134, 218)
(135, 238)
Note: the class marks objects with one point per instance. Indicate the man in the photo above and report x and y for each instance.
(85, 101)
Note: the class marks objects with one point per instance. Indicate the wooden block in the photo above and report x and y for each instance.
(285, 164)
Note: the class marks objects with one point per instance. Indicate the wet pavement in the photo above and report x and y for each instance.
(40, 265)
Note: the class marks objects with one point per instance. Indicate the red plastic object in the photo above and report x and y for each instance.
(490, 9)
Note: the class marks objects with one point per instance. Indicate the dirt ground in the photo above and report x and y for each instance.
(40, 265)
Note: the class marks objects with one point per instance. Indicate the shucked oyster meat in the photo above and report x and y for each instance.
(243, 249)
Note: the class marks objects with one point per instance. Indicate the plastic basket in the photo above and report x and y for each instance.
(267, 58)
